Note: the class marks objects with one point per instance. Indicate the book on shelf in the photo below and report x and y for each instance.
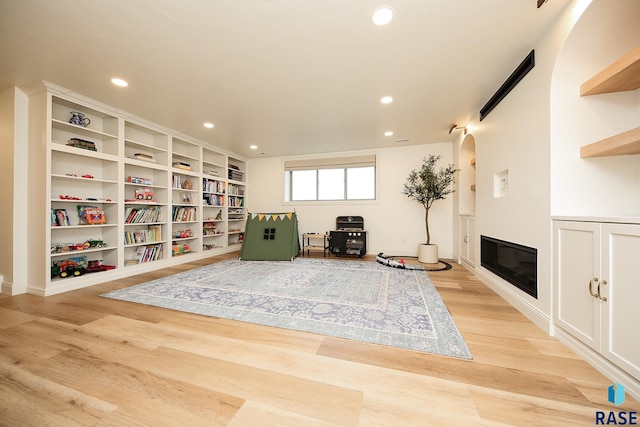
(143, 156)
(182, 165)
(149, 253)
(90, 215)
(82, 143)
(59, 218)
(153, 233)
(142, 215)
(138, 180)
(184, 214)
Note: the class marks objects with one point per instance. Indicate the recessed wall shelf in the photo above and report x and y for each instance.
(622, 75)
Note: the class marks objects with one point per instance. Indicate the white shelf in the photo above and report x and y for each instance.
(113, 140)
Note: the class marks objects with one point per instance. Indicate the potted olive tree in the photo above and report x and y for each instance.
(426, 185)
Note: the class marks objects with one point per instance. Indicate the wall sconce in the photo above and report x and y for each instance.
(456, 127)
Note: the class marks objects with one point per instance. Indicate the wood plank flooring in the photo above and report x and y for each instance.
(77, 359)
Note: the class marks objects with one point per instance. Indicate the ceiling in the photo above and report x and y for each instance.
(290, 76)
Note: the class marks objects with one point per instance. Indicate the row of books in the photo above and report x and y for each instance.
(182, 165)
(59, 218)
(152, 234)
(236, 190)
(143, 215)
(182, 213)
(82, 143)
(149, 253)
(214, 199)
(236, 201)
(235, 175)
(212, 186)
(178, 181)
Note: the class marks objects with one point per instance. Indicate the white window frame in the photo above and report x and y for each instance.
(343, 163)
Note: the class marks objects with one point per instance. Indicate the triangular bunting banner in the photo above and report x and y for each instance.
(282, 217)
(274, 217)
(290, 215)
(254, 215)
(260, 216)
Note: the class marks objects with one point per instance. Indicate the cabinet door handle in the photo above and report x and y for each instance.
(593, 294)
(466, 239)
(604, 282)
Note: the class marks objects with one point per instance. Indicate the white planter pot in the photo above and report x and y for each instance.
(428, 253)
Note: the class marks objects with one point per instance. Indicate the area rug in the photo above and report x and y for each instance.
(357, 300)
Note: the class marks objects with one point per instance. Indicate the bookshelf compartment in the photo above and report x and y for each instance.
(82, 139)
(144, 254)
(185, 155)
(236, 170)
(144, 144)
(101, 123)
(213, 163)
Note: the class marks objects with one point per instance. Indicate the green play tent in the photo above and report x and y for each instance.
(271, 237)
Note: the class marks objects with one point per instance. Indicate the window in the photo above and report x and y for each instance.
(269, 234)
(340, 178)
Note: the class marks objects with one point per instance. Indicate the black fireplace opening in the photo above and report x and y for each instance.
(517, 264)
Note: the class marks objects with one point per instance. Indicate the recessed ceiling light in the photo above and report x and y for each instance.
(386, 99)
(208, 125)
(388, 133)
(253, 147)
(382, 15)
(119, 82)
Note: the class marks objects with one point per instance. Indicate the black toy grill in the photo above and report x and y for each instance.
(349, 237)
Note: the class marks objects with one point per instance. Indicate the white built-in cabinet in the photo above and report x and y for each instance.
(598, 288)
(468, 240)
(117, 196)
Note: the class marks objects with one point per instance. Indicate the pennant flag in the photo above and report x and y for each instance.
(289, 215)
(254, 215)
(274, 216)
(282, 217)
(260, 216)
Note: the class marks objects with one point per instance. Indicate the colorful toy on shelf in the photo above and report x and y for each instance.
(144, 193)
(182, 234)
(75, 267)
(69, 197)
(179, 249)
(94, 243)
(95, 266)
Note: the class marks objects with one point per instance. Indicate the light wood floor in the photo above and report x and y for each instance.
(79, 359)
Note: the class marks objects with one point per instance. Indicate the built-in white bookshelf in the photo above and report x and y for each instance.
(122, 195)
(236, 214)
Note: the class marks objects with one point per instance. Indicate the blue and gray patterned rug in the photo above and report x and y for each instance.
(357, 300)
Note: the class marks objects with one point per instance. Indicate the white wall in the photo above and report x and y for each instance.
(394, 222)
(606, 186)
(13, 183)
(515, 137)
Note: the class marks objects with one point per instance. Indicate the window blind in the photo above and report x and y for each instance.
(330, 163)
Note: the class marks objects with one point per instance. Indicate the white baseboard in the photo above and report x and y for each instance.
(507, 292)
(608, 369)
(11, 288)
(74, 283)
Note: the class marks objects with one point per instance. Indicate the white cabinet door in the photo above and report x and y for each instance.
(577, 249)
(621, 310)
(467, 240)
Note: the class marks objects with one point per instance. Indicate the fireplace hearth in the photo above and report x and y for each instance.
(517, 264)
